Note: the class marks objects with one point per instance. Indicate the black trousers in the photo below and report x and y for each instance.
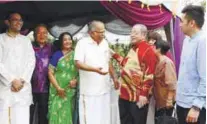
(163, 111)
(183, 112)
(41, 101)
(130, 113)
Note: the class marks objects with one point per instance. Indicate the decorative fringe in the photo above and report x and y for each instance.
(160, 5)
(142, 6)
(148, 8)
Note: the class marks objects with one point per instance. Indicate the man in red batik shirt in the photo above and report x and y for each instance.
(136, 78)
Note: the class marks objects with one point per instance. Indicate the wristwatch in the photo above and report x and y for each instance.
(196, 108)
(23, 81)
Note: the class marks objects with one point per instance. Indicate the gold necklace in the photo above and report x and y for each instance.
(10, 35)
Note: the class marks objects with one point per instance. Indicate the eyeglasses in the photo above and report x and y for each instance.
(16, 20)
(100, 32)
(42, 33)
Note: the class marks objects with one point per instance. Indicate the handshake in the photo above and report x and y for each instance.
(17, 85)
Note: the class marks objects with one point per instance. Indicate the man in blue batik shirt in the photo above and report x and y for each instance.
(191, 90)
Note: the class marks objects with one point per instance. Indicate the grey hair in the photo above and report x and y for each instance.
(37, 27)
(92, 25)
(141, 28)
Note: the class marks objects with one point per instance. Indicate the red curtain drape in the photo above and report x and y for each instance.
(6, 1)
(133, 13)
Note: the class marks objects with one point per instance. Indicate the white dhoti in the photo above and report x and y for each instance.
(115, 117)
(151, 112)
(95, 109)
(14, 115)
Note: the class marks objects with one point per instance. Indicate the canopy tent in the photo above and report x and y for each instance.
(35, 12)
(73, 15)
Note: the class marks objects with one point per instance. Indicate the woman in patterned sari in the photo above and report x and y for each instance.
(63, 78)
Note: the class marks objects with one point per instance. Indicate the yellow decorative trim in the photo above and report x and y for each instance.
(128, 80)
(128, 90)
(52, 68)
(148, 77)
(174, 8)
(148, 8)
(129, 1)
(84, 107)
(132, 93)
(66, 56)
(135, 96)
(160, 5)
(9, 115)
(142, 6)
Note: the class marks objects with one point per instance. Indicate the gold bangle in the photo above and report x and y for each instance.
(169, 100)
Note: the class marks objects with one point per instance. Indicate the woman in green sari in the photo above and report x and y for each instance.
(63, 78)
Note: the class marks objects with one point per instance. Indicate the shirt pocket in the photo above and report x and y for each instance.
(106, 55)
(92, 56)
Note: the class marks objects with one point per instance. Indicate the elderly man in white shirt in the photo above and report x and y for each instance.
(92, 57)
(17, 62)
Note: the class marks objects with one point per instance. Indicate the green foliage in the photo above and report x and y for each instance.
(74, 42)
(203, 4)
(121, 49)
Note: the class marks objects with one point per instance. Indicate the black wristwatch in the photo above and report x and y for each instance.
(196, 108)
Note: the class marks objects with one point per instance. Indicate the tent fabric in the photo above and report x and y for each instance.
(172, 5)
(65, 16)
(117, 26)
(178, 42)
(111, 38)
(36, 12)
(134, 13)
(73, 26)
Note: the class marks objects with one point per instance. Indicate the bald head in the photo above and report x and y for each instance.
(94, 25)
(97, 30)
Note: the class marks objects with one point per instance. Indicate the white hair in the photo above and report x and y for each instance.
(140, 28)
(92, 25)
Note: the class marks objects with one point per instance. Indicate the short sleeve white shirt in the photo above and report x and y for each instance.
(96, 55)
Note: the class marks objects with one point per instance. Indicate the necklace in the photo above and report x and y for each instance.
(11, 35)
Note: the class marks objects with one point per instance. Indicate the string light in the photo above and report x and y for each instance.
(174, 8)
(148, 8)
(160, 8)
(142, 6)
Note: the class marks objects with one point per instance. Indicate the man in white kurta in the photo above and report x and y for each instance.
(92, 58)
(16, 67)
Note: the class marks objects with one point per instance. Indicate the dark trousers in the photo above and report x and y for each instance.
(183, 112)
(41, 101)
(130, 113)
(164, 111)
